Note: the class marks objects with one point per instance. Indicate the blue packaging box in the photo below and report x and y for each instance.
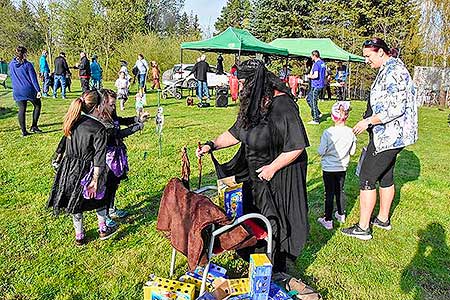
(260, 274)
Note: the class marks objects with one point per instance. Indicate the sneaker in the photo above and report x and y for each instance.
(107, 232)
(54, 97)
(64, 97)
(111, 223)
(339, 218)
(35, 130)
(118, 214)
(383, 225)
(79, 239)
(357, 232)
(320, 116)
(313, 123)
(327, 224)
(26, 133)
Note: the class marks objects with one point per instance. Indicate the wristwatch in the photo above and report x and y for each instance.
(211, 145)
(369, 123)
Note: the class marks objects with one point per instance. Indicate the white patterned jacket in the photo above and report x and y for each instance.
(393, 99)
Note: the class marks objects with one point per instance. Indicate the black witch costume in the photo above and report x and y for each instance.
(265, 134)
(83, 150)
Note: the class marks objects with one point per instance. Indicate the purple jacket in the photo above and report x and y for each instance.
(24, 80)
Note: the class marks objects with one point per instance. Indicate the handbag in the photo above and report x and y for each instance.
(361, 159)
(117, 160)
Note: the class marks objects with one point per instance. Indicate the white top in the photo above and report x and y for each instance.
(122, 86)
(142, 66)
(336, 145)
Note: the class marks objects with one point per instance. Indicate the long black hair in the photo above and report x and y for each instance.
(257, 93)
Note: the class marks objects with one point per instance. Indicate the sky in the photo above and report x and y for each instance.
(207, 11)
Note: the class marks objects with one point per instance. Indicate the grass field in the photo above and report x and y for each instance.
(38, 259)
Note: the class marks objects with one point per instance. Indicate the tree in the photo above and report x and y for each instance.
(236, 13)
(162, 16)
(272, 19)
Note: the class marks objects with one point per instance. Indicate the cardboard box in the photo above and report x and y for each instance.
(260, 274)
(230, 197)
(214, 272)
(239, 286)
(240, 297)
(165, 289)
(277, 293)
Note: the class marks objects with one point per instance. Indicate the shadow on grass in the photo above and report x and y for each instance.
(7, 112)
(428, 274)
(407, 170)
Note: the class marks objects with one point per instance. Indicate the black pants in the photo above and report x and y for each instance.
(334, 188)
(84, 84)
(326, 89)
(22, 105)
(377, 167)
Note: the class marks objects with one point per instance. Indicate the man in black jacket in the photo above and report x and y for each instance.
(84, 68)
(61, 70)
(200, 71)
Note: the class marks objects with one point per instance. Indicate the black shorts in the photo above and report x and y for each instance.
(377, 167)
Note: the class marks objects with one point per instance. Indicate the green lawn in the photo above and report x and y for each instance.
(38, 259)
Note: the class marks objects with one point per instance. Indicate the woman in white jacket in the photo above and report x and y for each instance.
(391, 120)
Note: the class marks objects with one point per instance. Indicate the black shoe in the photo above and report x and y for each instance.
(357, 232)
(26, 133)
(383, 225)
(35, 130)
(107, 232)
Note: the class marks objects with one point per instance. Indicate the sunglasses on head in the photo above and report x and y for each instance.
(371, 43)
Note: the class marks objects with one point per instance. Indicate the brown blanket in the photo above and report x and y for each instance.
(182, 217)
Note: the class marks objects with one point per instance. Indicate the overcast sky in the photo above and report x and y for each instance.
(206, 10)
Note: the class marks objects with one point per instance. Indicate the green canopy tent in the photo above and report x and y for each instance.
(328, 50)
(238, 41)
(302, 47)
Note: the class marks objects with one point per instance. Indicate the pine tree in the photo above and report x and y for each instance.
(273, 19)
(236, 13)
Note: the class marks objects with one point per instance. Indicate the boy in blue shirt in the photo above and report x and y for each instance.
(44, 71)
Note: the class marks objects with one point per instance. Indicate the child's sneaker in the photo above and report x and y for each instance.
(106, 232)
(111, 223)
(327, 224)
(339, 218)
(79, 239)
(118, 214)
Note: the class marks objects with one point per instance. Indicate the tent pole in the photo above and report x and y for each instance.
(181, 61)
(348, 85)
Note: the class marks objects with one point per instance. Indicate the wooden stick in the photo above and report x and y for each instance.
(199, 167)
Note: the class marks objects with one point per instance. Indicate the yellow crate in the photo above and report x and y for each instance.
(239, 286)
(166, 289)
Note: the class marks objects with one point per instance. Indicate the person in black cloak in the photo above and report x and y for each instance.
(271, 162)
(219, 64)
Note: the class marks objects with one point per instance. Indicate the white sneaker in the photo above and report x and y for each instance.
(339, 218)
(327, 224)
(313, 123)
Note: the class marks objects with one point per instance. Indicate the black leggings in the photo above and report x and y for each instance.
(334, 188)
(23, 109)
(377, 167)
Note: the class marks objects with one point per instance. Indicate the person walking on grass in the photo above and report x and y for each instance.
(317, 77)
(200, 71)
(61, 72)
(155, 76)
(391, 120)
(336, 145)
(84, 69)
(44, 72)
(25, 89)
(79, 183)
(96, 73)
(142, 68)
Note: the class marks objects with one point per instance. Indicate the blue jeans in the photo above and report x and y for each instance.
(95, 83)
(46, 84)
(60, 79)
(141, 80)
(202, 89)
(312, 98)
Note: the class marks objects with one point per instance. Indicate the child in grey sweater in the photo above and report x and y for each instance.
(336, 145)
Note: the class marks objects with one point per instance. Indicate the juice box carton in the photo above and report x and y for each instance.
(164, 289)
(230, 197)
(277, 293)
(214, 272)
(240, 297)
(260, 274)
(239, 286)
